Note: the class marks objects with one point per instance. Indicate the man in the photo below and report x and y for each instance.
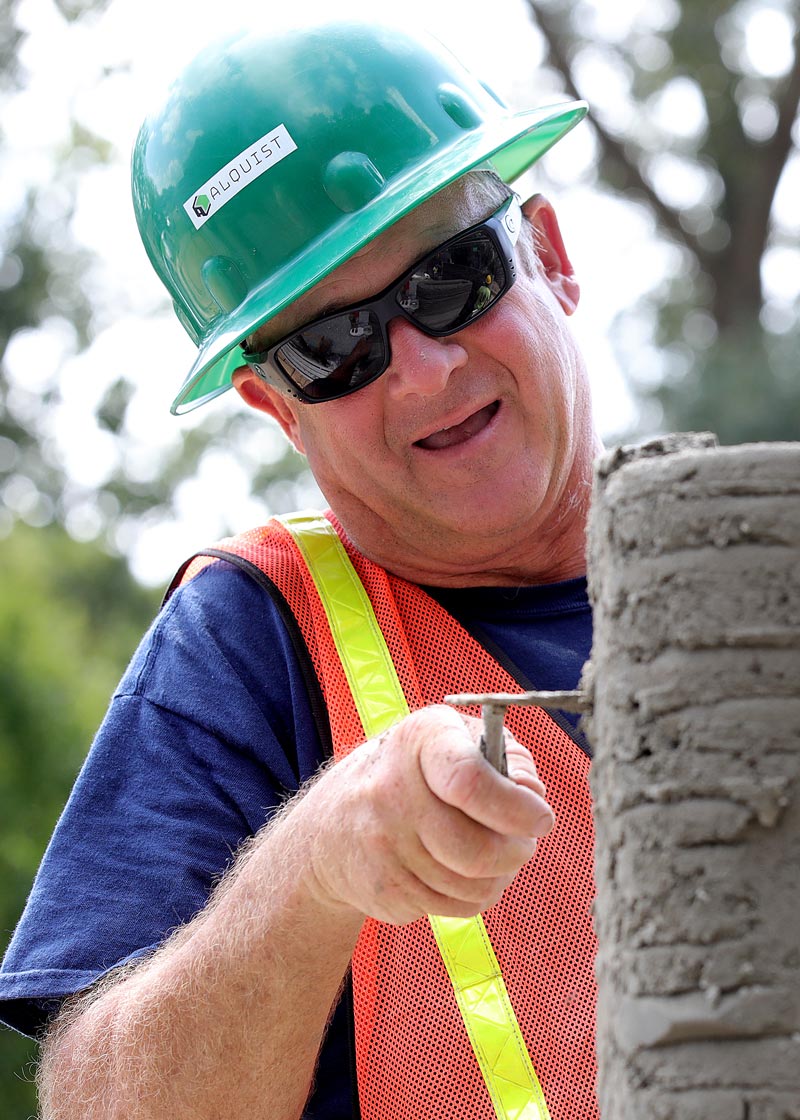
(387, 937)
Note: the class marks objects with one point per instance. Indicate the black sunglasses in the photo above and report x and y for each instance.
(446, 290)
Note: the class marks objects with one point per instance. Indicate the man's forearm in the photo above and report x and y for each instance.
(227, 1018)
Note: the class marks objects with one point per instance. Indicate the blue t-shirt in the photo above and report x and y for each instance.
(210, 729)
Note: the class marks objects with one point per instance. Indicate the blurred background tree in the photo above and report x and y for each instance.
(694, 108)
(52, 307)
(694, 124)
(70, 616)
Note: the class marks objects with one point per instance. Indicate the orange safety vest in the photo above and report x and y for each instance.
(415, 1048)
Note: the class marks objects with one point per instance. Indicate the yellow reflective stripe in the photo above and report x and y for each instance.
(366, 660)
(489, 1018)
(464, 943)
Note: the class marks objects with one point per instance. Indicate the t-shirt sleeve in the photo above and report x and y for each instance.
(208, 732)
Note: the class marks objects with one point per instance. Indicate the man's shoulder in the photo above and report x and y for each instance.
(218, 624)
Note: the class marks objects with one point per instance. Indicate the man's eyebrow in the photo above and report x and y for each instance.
(331, 306)
(442, 230)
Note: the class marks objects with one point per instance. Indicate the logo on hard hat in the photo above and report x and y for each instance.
(244, 169)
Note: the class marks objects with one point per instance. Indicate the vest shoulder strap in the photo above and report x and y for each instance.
(374, 684)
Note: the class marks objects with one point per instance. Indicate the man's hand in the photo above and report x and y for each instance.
(417, 821)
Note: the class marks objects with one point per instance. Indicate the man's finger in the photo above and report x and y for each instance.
(455, 772)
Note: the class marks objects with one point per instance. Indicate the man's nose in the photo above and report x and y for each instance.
(420, 364)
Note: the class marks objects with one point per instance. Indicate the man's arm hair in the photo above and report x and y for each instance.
(227, 1016)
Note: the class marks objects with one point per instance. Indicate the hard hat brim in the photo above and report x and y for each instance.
(512, 143)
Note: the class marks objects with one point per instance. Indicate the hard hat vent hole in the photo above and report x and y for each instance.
(459, 106)
(224, 282)
(351, 180)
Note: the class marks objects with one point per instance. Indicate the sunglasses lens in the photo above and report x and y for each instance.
(331, 358)
(448, 289)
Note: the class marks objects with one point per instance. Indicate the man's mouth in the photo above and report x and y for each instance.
(459, 433)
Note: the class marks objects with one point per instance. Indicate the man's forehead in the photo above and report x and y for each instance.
(439, 217)
(376, 264)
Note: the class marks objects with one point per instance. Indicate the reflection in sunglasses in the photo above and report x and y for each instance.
(446, 290)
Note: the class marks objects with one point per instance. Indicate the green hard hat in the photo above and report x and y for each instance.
(275, 156)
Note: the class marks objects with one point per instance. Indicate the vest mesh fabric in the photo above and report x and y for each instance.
(414, 1059)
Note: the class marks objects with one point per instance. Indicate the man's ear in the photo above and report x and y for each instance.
(549, 248)
(256, 393)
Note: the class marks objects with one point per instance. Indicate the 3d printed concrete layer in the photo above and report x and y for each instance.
(695, 578)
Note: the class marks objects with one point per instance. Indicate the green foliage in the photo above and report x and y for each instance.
(76, 9)
(70, 616)
(721, 367)
(9, 42)
(40, 274)
(742, 389)
(44, 291)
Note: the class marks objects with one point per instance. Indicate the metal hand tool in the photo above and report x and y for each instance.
(493, 712)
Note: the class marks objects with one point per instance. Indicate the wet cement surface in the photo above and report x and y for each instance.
(694, 562)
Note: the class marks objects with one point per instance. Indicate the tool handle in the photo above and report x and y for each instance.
(492, 742)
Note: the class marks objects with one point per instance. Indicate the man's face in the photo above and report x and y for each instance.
(460, 463)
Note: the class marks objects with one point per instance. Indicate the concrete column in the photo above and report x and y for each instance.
(694, 561)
